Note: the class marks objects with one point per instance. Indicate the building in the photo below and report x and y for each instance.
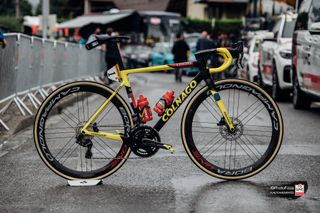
(177, 6)
(218, 9)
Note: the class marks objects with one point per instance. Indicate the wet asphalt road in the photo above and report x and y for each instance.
(165, 182)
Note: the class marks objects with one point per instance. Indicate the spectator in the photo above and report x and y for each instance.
(204, 43)
(3, 42)
(180, 50)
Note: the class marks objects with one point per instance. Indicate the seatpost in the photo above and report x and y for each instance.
(113, 47)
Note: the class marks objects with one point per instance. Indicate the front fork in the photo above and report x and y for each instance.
(222, 108)
(216, 96)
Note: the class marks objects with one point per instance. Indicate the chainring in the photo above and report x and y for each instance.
(137, 135)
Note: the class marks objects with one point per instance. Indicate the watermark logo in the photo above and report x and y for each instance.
(299, 190)
(289, 190)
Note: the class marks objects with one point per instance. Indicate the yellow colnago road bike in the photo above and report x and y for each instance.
(231, 129)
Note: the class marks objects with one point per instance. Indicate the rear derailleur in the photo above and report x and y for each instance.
(85, 141)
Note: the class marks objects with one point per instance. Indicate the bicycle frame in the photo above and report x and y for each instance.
(122, 76)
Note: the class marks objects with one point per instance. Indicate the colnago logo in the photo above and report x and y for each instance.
(169, 112)
(44, 115)
(260, 96)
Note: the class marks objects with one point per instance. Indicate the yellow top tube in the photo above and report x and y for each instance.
(224, 52)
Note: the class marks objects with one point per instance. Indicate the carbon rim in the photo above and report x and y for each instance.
(56, 142)
(212, 165)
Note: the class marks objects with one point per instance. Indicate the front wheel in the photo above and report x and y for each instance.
(58, 138)
(232, 155)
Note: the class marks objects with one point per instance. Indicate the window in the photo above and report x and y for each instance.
(302, 20)
(288, 28)
(314, 14)
(276, 28)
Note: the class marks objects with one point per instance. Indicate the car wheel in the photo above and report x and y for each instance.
(276, 92)
(248, 74)
(259, 78)
(300, 100)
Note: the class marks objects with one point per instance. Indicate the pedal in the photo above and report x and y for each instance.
(169, 147)
(148, 142)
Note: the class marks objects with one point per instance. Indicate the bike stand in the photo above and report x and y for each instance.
(84, 182)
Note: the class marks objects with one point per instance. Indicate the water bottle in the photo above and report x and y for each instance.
(164, 102)
(143, 104)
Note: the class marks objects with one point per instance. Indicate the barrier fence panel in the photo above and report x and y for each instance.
(31, 66)
(8, 64)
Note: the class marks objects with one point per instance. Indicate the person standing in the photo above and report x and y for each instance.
(181, 51)
(3, 42)
(204, 43)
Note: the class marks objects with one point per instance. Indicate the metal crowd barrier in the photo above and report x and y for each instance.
(31, 67)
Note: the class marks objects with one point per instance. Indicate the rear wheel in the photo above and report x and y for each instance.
(232, 155)
(59, 141)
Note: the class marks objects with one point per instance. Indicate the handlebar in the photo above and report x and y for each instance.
(228, 54)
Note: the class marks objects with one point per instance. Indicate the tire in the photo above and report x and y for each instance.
(58, 123)
(300, 100)
(276, 92)
(201, 140)
(259, 78)
(248, 74)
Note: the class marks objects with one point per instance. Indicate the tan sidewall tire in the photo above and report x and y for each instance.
(36, 122)
(185, 143)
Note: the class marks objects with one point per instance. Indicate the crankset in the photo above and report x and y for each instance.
(145, 141)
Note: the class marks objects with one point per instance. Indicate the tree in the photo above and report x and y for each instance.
(64, 9)
(7, 8)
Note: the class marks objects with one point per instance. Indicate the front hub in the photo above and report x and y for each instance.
(232, 135)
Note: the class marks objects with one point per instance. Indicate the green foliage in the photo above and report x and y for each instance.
(8, 8)
(197, 25)
(221, 25)
(64, 9)
(10, 22)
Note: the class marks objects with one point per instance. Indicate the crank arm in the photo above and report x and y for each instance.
(168, 147)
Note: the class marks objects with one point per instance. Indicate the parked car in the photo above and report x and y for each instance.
(161, 54)
(306, 55)
(137, 55)
(251, 56)
(275, 58)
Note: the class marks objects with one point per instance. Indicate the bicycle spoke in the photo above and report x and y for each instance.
(244, 123)
(215, 105)
(216, 142)
(105, 114)
(216, 148)
(66, 121)
(252, 145)
(69, 154)
(249, 149)
(77, 119)
(247, 108)
(246, 152)
(65, 145)
(107, 146)
(209, 141)
(210, 111)
(230, 154)
(99, 150)
(225, 153)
